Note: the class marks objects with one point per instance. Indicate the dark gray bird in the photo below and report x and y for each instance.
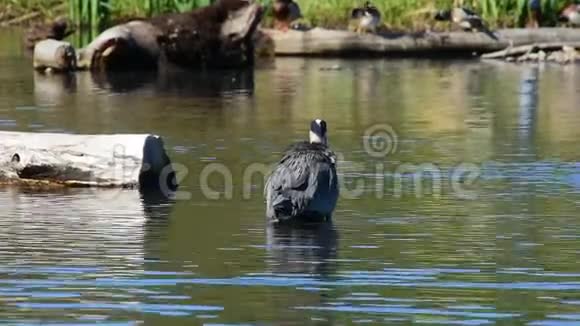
(304, 184)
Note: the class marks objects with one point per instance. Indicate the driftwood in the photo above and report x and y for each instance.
(324, 42)
(519, 50)
(555, 52)
(56, 55)
(84, 160)
(128, 46)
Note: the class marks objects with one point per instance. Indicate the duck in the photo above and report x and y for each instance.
(534, 13)
(285, 12)
(466, 19)
(57, 30)
(303, 186)
(571, 15)
(365, 19)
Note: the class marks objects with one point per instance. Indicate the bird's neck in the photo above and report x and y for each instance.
(315, 139)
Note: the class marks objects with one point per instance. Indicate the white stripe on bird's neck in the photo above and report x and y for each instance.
(315, 139)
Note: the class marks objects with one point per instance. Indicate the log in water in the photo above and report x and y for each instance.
(36, 159)
(325, 42)
(53, 54)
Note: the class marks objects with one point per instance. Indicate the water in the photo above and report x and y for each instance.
(502, 248)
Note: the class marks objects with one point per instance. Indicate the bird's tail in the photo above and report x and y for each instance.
(488, 32)
(280, 208)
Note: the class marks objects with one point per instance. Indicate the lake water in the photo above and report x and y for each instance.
(489, 233)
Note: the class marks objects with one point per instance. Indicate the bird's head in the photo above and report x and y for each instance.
(443, 15)
(318, 131)
(567, 12)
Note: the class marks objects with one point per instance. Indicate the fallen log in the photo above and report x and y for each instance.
(48, 159)
(325, 42)
(519, 50)
(128, 46)
(555, 52)
(215, 36)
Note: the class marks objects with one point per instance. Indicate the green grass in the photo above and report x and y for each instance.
(10, 9)
(97, 12)
(415, 14)
(409, 14)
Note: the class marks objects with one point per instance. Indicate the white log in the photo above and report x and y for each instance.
(319, 41)
(52, 54)
(128, 160)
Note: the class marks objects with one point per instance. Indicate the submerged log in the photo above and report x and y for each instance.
(84, 160)
(324, 42)
(55, 55)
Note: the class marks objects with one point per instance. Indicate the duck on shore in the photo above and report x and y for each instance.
(534, 13)
(466, 19)
(304, 183)
(365, 19)
(285, 12)
(57, 30)
(571, 15)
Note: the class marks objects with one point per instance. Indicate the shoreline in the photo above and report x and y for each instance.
(403, 16)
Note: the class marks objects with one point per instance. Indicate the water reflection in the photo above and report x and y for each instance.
(304, 249)
(206, 83)
(507, 256)
(51, 89)
(156, 204)
(122, 81)
(528, 110)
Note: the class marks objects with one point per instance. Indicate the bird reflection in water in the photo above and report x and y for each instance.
(305, 249)
(156, 204)
(157, 208)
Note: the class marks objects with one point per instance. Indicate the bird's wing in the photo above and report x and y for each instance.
(292, 174)
(287, 189)
(373, 11)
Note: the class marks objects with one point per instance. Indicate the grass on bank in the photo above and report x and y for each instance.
(415, 14)
(409, 14)
(13, 9)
